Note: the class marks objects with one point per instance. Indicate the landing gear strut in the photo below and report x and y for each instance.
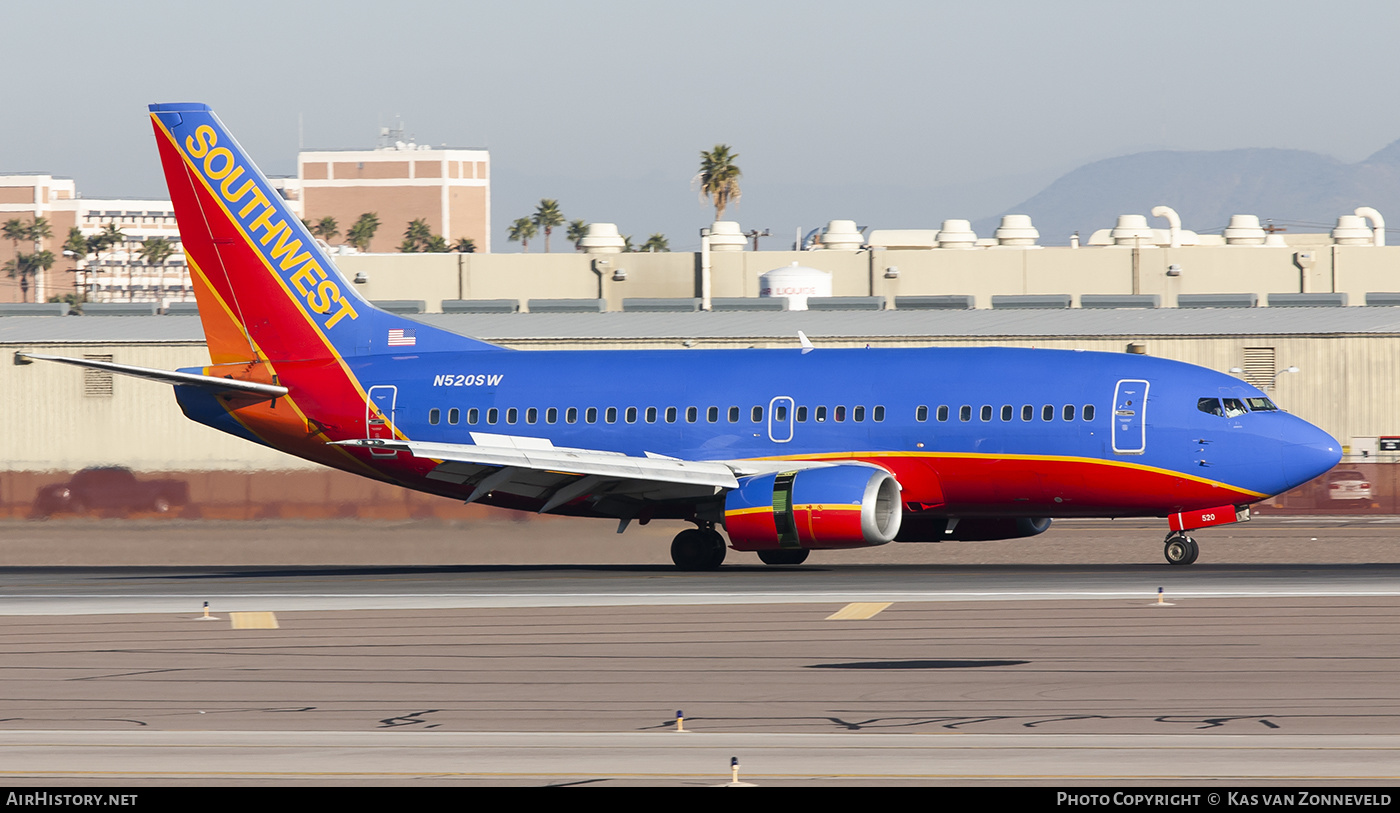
(698, 548)
(1181, 549)
(786, 556)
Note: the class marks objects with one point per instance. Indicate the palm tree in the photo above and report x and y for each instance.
(157, 250)
(627, 243)
(416, 236)
(15, 230)
(718, 178)
(655, 243)
(578, 229)
(547, 216)
(363, 231)
(521, 231)
(464, 245)
(76, 248)
(436, 244)
(26, 266)
(326, 228)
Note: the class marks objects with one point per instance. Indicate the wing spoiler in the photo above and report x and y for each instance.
(208, 382)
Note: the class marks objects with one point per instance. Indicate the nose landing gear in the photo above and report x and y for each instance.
(700, 548)
(1180, 549)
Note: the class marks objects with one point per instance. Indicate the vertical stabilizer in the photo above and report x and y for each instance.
(266, 290)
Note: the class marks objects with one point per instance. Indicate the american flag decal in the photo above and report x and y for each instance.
(402, 337)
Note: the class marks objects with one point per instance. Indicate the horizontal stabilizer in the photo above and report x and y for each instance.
(209, 382)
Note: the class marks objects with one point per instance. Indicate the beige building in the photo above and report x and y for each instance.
(449, 188)
(118, 273)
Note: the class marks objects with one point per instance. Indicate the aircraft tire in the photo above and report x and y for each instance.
(698, 549)
(783, 557)
(1178, 550)
(1195, 551)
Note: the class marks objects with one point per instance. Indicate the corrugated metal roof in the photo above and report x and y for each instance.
(740, 325)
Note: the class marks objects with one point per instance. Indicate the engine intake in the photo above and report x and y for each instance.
(842, 506)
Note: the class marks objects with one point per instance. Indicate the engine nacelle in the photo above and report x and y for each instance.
(842, 506)
(923, 528)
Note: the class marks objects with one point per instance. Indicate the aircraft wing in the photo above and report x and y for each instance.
(535, 468)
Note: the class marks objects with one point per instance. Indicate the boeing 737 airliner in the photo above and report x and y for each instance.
(786, 450)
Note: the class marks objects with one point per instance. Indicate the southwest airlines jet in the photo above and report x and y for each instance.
(785, 450)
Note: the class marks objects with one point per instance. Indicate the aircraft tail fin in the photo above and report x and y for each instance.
(266, 290)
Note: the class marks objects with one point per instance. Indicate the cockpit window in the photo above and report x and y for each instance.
(1261, 405)
(1233, 407)
(1210, 406)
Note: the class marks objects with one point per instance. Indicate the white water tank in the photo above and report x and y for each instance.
(1132, 230)
(1244, 230)
(725, 235)
(957, 234)
(602, 238)
(1352, 230)
(1016, 230)
(842, 235)
(795, 283)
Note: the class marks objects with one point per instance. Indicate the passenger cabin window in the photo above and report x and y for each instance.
(1027, 413)
(691, 414)
(571, 415)
(802, 414)
(839, 413)
(531, 415)
(1047, 412)
(512, 415)
(1007, 413)
(712, 414)
(858, 414)
(757, 414)
(921, 414)
(880, 414)
(454, 415)
(1069, 412)
(434, 415)
(733, 414)
(780, 413)
(473, 415)
(986, 412)
(942, 413)
(631, 415)
(651, 414)
(492, 415)
(551, 415)
(1087, 412)
(590, 415)
(610, 416)
(670, 414)
(821, 414)
(965, 413)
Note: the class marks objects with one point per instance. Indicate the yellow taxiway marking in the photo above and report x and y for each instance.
(254, 621)
(859, 611)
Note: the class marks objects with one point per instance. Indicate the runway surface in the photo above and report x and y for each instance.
(1074, 673)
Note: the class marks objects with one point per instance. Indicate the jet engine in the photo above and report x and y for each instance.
(844, 506)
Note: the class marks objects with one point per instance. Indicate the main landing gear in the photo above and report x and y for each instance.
(1180, 549)
(698, 548)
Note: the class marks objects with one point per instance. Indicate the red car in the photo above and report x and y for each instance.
(110, 489)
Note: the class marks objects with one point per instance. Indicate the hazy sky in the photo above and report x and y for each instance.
(891, 112)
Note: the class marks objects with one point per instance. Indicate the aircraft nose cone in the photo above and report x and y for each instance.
(1317, 453)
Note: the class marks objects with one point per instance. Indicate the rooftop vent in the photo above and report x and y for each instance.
(1132, 230)
(1244, 230)
(602, 238)
(725, 235)
(1016, 230)
(957, 234)
(1351, 230)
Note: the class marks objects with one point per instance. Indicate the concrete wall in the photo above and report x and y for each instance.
(983, 273)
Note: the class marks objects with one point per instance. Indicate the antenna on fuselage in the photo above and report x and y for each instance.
(806, 343)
